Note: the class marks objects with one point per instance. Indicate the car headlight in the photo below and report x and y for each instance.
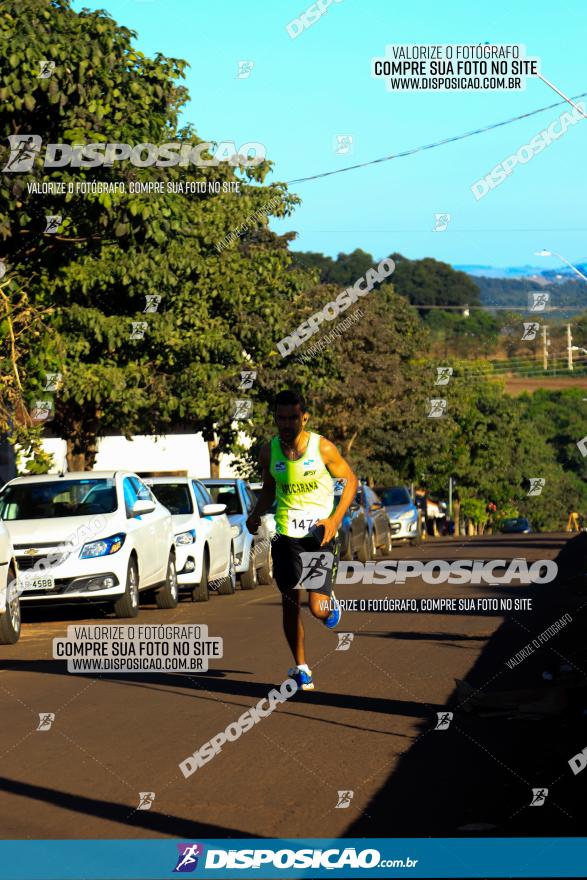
(188, 537)
(235, 531)
(409, 514)
(104, 547)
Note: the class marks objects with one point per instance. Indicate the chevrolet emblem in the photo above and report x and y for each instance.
(31, 552)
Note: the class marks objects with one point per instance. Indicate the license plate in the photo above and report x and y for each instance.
(37, 583)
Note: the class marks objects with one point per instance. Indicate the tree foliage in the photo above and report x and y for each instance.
(112, 251)
(72, 301)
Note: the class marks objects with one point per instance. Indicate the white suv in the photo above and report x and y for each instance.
(9, 600)
(95, 535)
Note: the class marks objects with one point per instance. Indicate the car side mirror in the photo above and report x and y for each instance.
(142, 506)
(213, 509)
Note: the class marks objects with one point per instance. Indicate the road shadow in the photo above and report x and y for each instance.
(422, 636)
(218, 682)
(481, 770)
(76, 610)
(151, 820)
(553, 540)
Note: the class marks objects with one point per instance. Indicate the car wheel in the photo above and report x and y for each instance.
(265, 573)
(228, 584)
(363, 551)
(167, 596)
(387, 547)
(128, 604)
(249, 577)
(10, 620)
(201, 592)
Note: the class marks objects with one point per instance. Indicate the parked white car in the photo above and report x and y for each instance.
(97, 536)
(9, 598)
(203, 536)
(252, 555)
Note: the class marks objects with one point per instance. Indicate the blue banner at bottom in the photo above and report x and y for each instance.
(289, 858)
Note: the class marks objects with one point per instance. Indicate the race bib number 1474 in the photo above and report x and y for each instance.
(299, 524)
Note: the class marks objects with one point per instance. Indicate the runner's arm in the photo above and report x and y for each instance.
(339, 468)
(267, 494)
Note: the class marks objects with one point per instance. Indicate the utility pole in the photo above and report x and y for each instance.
(545, 344)
(569, 347)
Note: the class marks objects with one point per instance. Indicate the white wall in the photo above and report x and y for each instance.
(172, 452)
(57, 448)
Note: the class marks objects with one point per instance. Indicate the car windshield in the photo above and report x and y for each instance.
(54, 499)
(174, 496)
(394, 497)
(226, 493)
(515, 522)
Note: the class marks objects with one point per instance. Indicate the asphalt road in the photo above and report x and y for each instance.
(368, 728)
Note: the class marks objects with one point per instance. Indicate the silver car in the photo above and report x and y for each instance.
(403, 515)
(252, 553)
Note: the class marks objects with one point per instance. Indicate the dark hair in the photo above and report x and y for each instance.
(290, 398)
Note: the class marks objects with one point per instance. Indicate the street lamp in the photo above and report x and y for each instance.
(545, 253)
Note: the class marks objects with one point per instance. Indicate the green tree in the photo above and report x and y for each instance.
(344, 271)
(360, 379)
(219, 305)
(559, 418)
(23, 337)
(457, 336)
(429, 282)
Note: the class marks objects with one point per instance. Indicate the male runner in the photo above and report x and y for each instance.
(298, 467)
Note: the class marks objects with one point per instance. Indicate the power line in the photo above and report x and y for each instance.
(450, 140)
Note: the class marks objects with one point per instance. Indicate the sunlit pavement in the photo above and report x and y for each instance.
(368, 728)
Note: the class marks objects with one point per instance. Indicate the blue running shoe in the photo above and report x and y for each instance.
(303, 680)
(334, 617)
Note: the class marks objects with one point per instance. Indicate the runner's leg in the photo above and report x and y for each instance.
(319, 604)
(287, 569)
(293, 626)
(320, 600)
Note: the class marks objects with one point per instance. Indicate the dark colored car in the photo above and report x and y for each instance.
(352, 532)
(369, 525)
(377, 521)
(516, 525)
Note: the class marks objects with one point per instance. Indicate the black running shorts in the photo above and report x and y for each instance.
(319, 572)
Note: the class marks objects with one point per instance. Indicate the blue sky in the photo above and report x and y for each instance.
(304, 92)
